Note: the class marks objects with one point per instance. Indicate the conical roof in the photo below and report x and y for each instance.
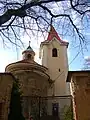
(29, 49)
(53, 34)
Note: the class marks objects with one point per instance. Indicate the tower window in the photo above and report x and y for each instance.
(29, 56)
(54, 52)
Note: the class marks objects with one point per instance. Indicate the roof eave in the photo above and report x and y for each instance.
(48, 42)
(77, 72)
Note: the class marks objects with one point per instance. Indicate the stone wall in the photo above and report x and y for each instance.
(80, 84)
(6, 80)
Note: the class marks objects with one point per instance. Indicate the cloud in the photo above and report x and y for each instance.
(87, 58)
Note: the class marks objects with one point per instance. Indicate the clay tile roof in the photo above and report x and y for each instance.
(52, 34)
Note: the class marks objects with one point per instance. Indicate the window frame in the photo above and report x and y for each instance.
(54, 52)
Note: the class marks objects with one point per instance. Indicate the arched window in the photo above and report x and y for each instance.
(29, 56)
(54, 52)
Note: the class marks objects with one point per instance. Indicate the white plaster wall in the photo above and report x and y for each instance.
(45, 56)
(53, 64)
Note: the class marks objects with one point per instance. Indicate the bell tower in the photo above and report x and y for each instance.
(53, 53)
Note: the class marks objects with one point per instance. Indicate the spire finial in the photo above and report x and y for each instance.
(29, 43)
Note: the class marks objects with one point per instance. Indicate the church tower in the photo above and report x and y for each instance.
(53, 53)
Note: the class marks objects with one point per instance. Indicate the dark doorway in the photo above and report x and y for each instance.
(55, 108)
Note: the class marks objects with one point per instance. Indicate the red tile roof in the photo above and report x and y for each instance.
(52, 34)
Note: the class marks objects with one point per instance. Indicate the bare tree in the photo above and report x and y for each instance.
(35, 16)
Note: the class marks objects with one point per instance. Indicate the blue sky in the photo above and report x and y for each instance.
(9, 55)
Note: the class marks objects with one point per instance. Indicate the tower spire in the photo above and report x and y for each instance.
(29, 43)
(53, 34)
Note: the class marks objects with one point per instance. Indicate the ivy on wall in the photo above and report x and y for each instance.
(68, 113)
(15, 103)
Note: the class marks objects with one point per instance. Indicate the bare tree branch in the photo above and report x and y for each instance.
(37, 15)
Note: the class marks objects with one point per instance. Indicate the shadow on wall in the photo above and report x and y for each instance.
(49, 117)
